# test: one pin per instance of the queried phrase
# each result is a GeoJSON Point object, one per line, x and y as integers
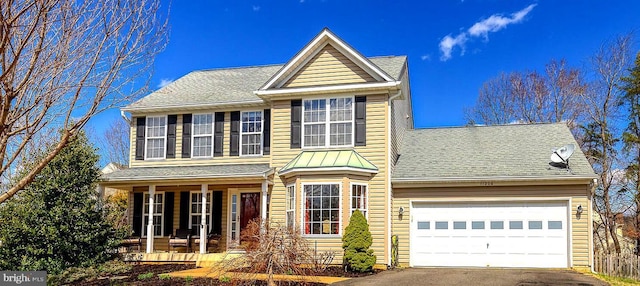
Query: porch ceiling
{"type": "Point", "coordinates": [174, 173]}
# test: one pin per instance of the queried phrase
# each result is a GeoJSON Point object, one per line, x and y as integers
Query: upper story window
{"type": "Point", "coordinates": [251, 133]}
{"type": "Point", "coordinates": [202, 135]}
{"type": "Point", "coordinates": [156, 137]}
{"type": "Point", "coordinates": [328, 122]}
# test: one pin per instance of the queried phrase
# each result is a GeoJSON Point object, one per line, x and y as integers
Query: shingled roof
{"type": "Point", "coordinates": [506, 151]}
{"type": "Point", "coordinates": [230, 86]}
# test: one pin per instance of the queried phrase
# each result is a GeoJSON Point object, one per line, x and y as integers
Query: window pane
{"type": "Point", "coordinates": [459, 225]}
{"type": "Point", "coordinates": [535, 224]}
{"type": "Point", "coordinates": [477, 225]}
{"type": "Point", "coordinates": [555, 224]}
{"type": "Point", "coordinates": [442, 225]}
{"type": "Point", "coordinates": [424, 225]}
{"type": "Point", "coordinates": [321, 209]}
{"type": "Point", "coordinates": [497, 225]}
{"type": "Point", "coordinates": [515, 224]}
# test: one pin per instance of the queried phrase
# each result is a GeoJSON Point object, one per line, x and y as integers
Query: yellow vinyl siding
{"type": "Point", "coordinates": [375, 151]}
{"type": "Point", "coordinates": [179, 161]}
{"type": "Point", "coordinates": [327, 67]}
{"type": "Point", "coordinates": [577, 193]}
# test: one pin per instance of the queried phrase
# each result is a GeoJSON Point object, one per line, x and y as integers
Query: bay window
{"type": "Point", "coordinates": [321, 209]}
{"type": "Point", "coordinates": [359, 198]}
{"type": "Point", "coordinates": [156, 137]}
{"type": "Point", "coordinates": [291, 206]}
{"type": "Point", "coordinates": [334, 115]}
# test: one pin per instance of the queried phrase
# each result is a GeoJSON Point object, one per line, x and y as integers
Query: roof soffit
{"type": "Point", "coordinates": [324, 38]}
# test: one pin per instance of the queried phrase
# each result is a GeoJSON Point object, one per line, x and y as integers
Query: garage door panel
{"type": "Point", "coordinates": [512, 234]}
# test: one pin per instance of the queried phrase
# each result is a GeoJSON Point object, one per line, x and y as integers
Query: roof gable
{"type": "Point", "coordinates": [324, 44]}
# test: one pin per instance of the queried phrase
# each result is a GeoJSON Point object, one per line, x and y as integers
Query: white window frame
{"type": "Point", "coordinates": [193, 135]}
{"type": "Point", "coordinates": [303, 209]}
{"type": "Point", "coordinates": [261, 133]}
{"type": "Point", "coordinates": [365, 210]}
{"type": "Point", "coordinates": [147, 138]}
{"type": "Point", "coordinates": [156, 212]}
{"type": "Point", "coordinates": [328, 122]}
{"type": "Point", "coordinates": [290, 205]}
{"type": "Point", "coordinates": [192, 214]}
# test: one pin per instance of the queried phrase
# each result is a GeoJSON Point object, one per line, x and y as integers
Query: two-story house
{"type": "Point", "coordinates": [306, 143]}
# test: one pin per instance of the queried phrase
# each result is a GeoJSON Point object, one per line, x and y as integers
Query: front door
{"type": "Point", "coordinates": [243, 207]}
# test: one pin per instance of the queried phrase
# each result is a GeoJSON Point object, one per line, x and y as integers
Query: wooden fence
{"type": "Point", "coordinates": [618, 265]}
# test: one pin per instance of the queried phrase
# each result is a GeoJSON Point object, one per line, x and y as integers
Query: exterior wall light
{"type": "Point", "coordinates": [579, 210]}
{"type": "Point", "coordinates": [401, 210]}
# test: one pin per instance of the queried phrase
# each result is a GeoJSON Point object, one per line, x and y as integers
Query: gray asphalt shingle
{"type": "Point", "coordinates": [487, 151]}
{"type": "Point", "coordinates": [209, 171]}
{"type": "Point", "coordinates": [231, 85]}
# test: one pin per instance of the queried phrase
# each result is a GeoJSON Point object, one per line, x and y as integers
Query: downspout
{"type": "Point", "coordinates": [390, 160]}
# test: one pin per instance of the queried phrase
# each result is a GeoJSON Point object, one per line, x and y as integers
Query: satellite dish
{"type": "Point", "coordinates": [562, 154]}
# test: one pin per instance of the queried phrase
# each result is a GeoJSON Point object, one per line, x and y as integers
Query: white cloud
{"type": "Point", "coordinates": [164, 82]}
{"type": "Point", "coordinates": [494, 23]}
{"type": "Point", "coordinates": [498, 22]}
{"type": "Point", "coordinates": [426, 57]}
{"type": "Point", "coordinates": [301, 1]}
{"type": "Point", "coordinates": [256, 8]}
{"type": "Point", "coordinates": [448, 43]}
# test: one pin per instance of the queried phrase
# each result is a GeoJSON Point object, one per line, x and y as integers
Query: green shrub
{"type": "Point", "coordinates": [164, 276]}
{"type": "Point", "coordinates": [356, 242]}
{"type": "Point", "coordinates": [145, 276]}
{"type": "Point", "coordinates": [224, 279]}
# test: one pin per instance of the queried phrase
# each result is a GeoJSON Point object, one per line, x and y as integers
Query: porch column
{"type": "Point", "coordinates": [203, 219]}
{"type": "Point", "coordinates": [263, 205]}
{"type": "Point", "coordinates": [150, 232]}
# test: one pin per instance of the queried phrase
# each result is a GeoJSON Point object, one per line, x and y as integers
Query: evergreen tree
{"type": "Point", "coordinates": [56, 222]}
{"type": "Point", "coordinates": [356, 242]}
{"type": "Point", "coordinates": [631, 139]}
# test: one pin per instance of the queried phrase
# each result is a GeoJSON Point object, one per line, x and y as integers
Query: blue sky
{"type": "Point", "coordinates": [453, 46]}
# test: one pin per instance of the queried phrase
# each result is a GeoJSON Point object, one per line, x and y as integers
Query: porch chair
{"type": "Point", "coordinates": [181, 239]}
{"type": "Point", "coordinates": [213, 239]}
{"type": "Point", "coordinates": [131, 241]}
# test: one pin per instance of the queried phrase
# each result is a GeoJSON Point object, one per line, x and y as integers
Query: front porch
{"type": "Point", "coordinates": [169, 215]}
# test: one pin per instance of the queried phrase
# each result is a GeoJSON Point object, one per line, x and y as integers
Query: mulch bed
{"type": "Point", "coordinates": [131, 278]}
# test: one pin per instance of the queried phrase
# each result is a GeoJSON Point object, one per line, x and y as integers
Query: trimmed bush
{"type": "Point", "coordinates": [356, 242]}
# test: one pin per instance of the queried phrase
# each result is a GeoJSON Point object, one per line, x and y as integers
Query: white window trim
{"type": "Point", "coordinates": [261, 134]}
{"type": "Point", "coordinates": [366, 197]}
{"type": "Point", "coordinates": [191, 213]}
{"type": "Point", "coordinates": [303, 197]}
{"type": "Point", "coordinates": [193, 136]}
{"type": "Point", "coordinates": [327, 122]}
{"type": "Point", "coordinates": [293, 205]}
{"type": "Point", "coordinates": [146, 137]}
{"type": "Point", "coordinates": [155, 211]}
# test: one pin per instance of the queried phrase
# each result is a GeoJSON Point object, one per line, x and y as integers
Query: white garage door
{"type": "Point", "coordinates": [514, 234]}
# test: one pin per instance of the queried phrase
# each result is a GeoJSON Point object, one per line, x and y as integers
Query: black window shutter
{"type": "Point", "coordinates": [216, 213]}
{"type": "Point", "coordinates": [168, 213]}
{"type": "Point", "coordinates": [137, 214]}
{"type": "Point", "coordinates": [361, 121]}
{"type": "Point", "coordinates": [186, 136]}
{"type": "Point", "coordinates": [296, 123]}
{"type": "Point", "coordinates": [172, 120]}
{"type": "Point", "coordinates": [218, 134]}
{"type": "Point", "coordinates": [140, 129]}
{"type": "Point", "coordinates": [184, 210]}
{"type": "Point", "coordinates": [234, 141]}
{"type": "Point", "coordinates": [266, 132]}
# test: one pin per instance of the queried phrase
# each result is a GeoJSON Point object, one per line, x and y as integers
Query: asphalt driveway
{"type": "Point", "coordinates": [475, 277]}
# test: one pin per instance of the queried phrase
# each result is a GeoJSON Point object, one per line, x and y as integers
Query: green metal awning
{"type": "Point", "coordinates": [344, 160]}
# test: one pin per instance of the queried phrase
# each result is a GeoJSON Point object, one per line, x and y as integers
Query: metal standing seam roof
{"type": "Point", "coordinates": [506, 151]}
{"type": "Point", "coordinates": [188, 172]}
{"type": "Point", "coordinates": [316, 160]}
{"type": "Point", "coordinates": [231, 85]}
